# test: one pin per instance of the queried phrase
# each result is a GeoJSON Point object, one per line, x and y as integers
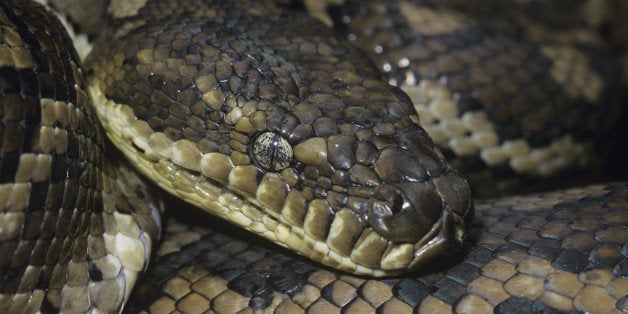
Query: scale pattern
{"type": "Point", "coordinates": [81, 225]}
{"type": "Point", "coordinates": [559, 251]}
{"type": "Point", "coordinates": [517, 95]}
{"type": "Point", "coordinates": [360, 185]}
{"type": "Point", "coordinates": [75, 229]}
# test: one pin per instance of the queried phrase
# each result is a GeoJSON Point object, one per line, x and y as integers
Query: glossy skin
{"type": "Point", "coordinates": [365, 190]}
{"type": "Point", "coordinates": [328, 156]}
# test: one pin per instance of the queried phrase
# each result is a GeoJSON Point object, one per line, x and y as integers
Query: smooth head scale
{"type": "Point", "coordinates": [278, 131]}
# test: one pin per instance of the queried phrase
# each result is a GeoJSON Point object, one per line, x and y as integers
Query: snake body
{"type": "Point", "coordinates": [562, 251]}
{"type": "Point", "coordinates": [513, 94]}
{"type": "Point", "coordinates": [300, 140]}
{"type": "Point", "coordinates": [76, 226]}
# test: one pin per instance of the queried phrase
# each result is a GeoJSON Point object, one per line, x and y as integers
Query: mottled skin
{"type": "Point", "coordinates": [76, 226]}
{"type": "Point", "coordinates": [564, 251]}
{"type": "Point", "coordinates": [518, 96]}
{"type": "Point", "coordinates": [363, 184]}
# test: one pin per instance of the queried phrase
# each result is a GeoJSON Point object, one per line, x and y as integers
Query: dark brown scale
{"type": "Point", "coordinates": [365, 153]}
{"type": "Point", "coordinates": [364, 176]}
{"type": "Point", "coordinates": [340, 150]}
{"type": "Point", "coordinates": [394, 165]}
{"type": "Point", "coordinates": [301, 132]}
{"type": "Point", "coordinates": [340, 178]}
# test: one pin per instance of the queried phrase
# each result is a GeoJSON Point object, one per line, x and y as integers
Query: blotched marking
{"type": "Point", "coordinates": [433, 22]}
{"type": "Point", "coordinates": [473, 133]}
{"type": "Point", "coordinates": [570, 68]}
{"type": "Point", "coordinates": [125, 8]}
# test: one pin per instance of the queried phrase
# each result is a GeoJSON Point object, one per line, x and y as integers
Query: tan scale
{"type": "Point", "coordinates": [529, 277]}
{"type": "Point", "coordinates": [473, 304]}
{"type": "Point", "coordinates": [438, 115]}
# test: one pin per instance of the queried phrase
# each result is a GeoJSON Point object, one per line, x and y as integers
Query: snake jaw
{"type": "Point", "coordinates": [446, 236]}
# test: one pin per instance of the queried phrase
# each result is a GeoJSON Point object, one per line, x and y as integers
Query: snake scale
{"type": "Point", "coordinates": [274, 122]}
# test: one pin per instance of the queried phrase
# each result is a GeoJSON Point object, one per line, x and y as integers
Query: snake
{"type": "Point", "coordinates": [278, 123]}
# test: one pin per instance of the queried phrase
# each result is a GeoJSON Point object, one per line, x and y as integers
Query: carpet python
{"type": "Point", "coordinates": [330, 143]}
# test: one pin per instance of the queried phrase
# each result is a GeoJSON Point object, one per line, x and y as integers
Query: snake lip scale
{"type": "Point", "coordinates": [332, 148]}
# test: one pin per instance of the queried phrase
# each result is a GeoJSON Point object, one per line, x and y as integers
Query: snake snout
{"type": "Point", "coordinates": [404, 212]}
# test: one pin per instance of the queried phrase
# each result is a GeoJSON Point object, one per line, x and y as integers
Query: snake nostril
{"type": "Point", "coordinates": [398, 215]}
{"type": "Point", "coordinates": [390, 198]}
{"type": "Point", "coordinates": [383, 210]}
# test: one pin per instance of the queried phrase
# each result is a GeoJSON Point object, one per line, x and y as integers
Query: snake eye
{"type": "Point", "coordinates": [272, 151]}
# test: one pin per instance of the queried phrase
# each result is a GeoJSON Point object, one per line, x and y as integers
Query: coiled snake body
{"type": "Point", "coordinates": [273, 122]}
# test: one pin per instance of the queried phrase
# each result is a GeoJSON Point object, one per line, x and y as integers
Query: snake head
{"type": "Point", "coordinates": [361, 190]}
{"type": "Point", "coordinates": [324, 158]}
{"type": "Point", "coordinates": [368, 190]}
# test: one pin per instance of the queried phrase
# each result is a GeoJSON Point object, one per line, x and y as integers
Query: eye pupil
{"type": "Point", "coordinates": [272, 151]}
